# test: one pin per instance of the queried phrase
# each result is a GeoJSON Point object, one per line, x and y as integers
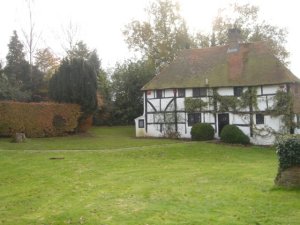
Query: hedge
{"type": "Point", "coordinates": [38, 119]}
{"type": "Point", "coordinates": [288, 151]}
{"type": "Point", "coordinates": [202, 132]}
{"type": "Point", "coordinates": [232, 134]}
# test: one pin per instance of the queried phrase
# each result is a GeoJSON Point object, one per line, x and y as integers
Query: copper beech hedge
{"type": "Point", "coordinates": [38, 119]}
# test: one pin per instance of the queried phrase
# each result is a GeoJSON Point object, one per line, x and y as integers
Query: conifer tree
{"type": "Point", "coordinates": [75, 82]}
{"type": "Point", "coordinates": [17, 68]}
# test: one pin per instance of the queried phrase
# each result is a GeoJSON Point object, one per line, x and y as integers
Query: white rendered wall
{"type": "Point", "coordinates": [265, 101]}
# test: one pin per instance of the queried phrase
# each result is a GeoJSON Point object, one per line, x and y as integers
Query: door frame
{"type": "Point", "coordinates": [222, 125]}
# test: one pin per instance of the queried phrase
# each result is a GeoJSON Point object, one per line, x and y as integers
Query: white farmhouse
{"type": "Point", "coordinates": [240, 83]}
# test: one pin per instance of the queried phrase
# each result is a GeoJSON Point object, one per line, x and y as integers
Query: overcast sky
{"type": "Point", "coordinates": [100, 22]}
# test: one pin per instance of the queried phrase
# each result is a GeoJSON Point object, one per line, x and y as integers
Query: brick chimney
{"type": "Point", "coordinates": [234, 54]}
{"type": "Point", "coordinates": [234, 39]}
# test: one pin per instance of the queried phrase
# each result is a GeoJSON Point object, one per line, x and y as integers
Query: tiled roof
{"type": "Point", "coordinates": [253, 64]}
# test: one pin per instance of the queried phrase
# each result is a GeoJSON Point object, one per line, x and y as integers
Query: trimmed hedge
{"type": "Point", "coordinates": [38, 119]}
{"type": "Point", "coordinates": [232, 134]}
{"type": "Point", "coordinates": [288, 151]}
{"type": "Point", "coordinates": [202, 132]}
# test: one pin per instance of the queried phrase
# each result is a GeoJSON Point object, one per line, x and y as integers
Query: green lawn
{"type": "Point", "coordinates": [124, 180]}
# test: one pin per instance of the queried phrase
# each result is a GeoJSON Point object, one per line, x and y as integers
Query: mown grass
{"type": "Point", "coordinates": [164, 182]}
{"type": "Point", "coordinates": [96, 139]}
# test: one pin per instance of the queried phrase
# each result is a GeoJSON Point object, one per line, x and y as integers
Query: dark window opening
{"type": "Point", "coordinates": [237, 91]}
{"type": "Point", "coordinates": [181, 93]}
{"type": "Point", "coordinates": [260, 119]}
{"type": "Point", "coordinates": [194, 118]}
{"type": "Point", "coordinates": [158, 93]}
{"type": "Point", "coordinates": [141, 124]}
{"type": "Point", "coordinates": [199, 92]}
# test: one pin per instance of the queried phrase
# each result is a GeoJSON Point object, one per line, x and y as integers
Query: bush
{"type": "Point", "coordinates": [232, 134]}
{"type": "Point", "coordinates": [38, 119]}
{"type": "Point", "coordinates": [288, 151]}
{"type": "Point", "coordinates": [85, 124]}
{"type": "Point", "coordinates": [202, 132]}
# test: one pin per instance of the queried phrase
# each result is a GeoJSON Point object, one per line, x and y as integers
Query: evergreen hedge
{"type": "Point", "coordinates": [288, 151]}
{"type": "Point", "coordinates": [38, 119]}
{"type": "Point", "coordinates": [202, 132]}
{"type": "Point", "coordinates": [232, 134]}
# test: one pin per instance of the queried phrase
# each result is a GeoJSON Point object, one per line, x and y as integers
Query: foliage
{"type": "Point", "coordinates": [249, 98]}
{"type": "Point", "coordinates": [232, 134]}
{"type": "Point", "coordinates": [21, 75]}
{"type": "Point", "coordinates": [79, 50]}
{"type": "Point", "coordinates": [104, 108]}
{"type": "Point", "coordinates": [46, 62]}
{"type": "Point", "coordinates": [85, 124]}
{"type": "Point", "coordinates": [38, 119]}
{"type": "Point", "coordinates": [169, 131]}
{"type": "Point", "coordinates": [202, 132]}
{"type": "Point", "coordinates": [103, 114]}
{"type": "Point", "coordinates": [17, 68]}
{"type": "Point", "coordinates": [226, 103]}
{"type": "Point", "coordinates": [194, 104]}
{"type": "Point", "coordinates": [283, 106]}
{"type": "Point", "coordinates": [9, 91]}
{"type": "Point", "coordinates": [282, 103]}
{"type": "Point", "coordinates": [246, 18]}
{"type": "Point", "coordinates": [161, 36]}
{"type": "Point", "coordinates": [104, 85]}
{"type": "Point", "coordinates": [75, 82]}
{"type": "Point", "coordinates": [127, 81]}
{"type": "Point", "coordinates": [288, 151]}
{"type": "Point", "coordinates": [168, 119]}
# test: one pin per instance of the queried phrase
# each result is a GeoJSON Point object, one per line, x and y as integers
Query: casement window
{"type": "Point", "coordinates": [194, 118]}
{"type": "Point", "coordinates": [237, 91]}
{"type": "Point", "coordinates": [159, 94]}
{"type": "Point", "coordinates": [199, 92]}
{"type": "Point", "coordinates": [141, 124]}
{"type": "Point", "coordinates": [181, 93]}
{"type": "Point", "coordinates": [260, 119]}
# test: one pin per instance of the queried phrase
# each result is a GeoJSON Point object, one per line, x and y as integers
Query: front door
{"type": "Point", "coordinates": [223, 120]}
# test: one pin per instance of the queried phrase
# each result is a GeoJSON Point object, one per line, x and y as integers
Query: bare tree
{"type": "Point", "coordinates": [31, 36]}
{"type": "Point", "coordinates": [70, 33]}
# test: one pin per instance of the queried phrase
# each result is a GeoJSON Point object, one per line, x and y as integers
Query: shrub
{"type": "Point", "coordinates": [202, 132]}
{"type": "Point", "coordinates": [38, 119]}
{"type": "Point", "coordinates": [232, 134]}
{"type": "Point", "coordinates": [288, 151]}
{"type": "Point", "coordinates": [85, 124]}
